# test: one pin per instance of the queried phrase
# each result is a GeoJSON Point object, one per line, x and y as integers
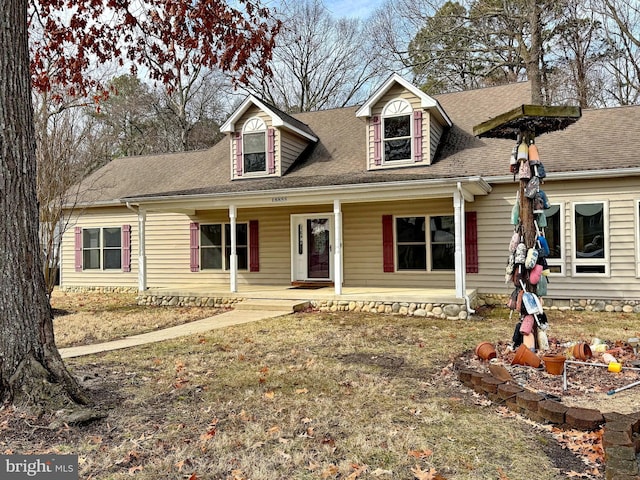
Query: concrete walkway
{"type": "Point", "coordinates": [222, 320]}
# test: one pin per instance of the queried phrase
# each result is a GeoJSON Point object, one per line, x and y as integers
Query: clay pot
{"type": "Point", "coordinates": [524, 356]}
{"type": "Point", "coordinates": [554, 364]}
{"type": "Point", "coordinates": [486, 351]}
{"type": "Point", "coordinates": [582, 351]}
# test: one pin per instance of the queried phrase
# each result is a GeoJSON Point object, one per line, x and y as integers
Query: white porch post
{"type": "Point", "coordinates": [460, 227]}
{"type": "Point", "coordinates": [142, 255]}
{"type": "Point", "coordinates": [233, 280]}
{"type": "Point", "coordinates": [337, 247]}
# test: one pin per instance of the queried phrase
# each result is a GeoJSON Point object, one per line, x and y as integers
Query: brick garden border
{"type": "Point", "coordinates": [621, 437]}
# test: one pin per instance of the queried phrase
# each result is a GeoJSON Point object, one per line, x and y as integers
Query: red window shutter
{"type": "Point", "coordinates": [78, 248]}
{"type": "Point", "coordinates": [254, 249]}
{"type": "Point", "coordinates": [377, 140]}
{"type": "Point", "coordinates": [239, 160]}
{"type": "Point", "coordinates": [194, 244]}
{"type": "Point", "coordinates": [126, 248]}
{"type": "Point", "coordinates": [387, 243]}
{"type": "Point", "coordinates": [417, 136]}
{"type": "Point", "coordinates": [471, 241]}
{"type": "Point", "coordinates": [271, 150]}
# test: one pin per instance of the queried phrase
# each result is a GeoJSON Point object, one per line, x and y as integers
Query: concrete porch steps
{"type": "Point", "coordinates": [272, 305]}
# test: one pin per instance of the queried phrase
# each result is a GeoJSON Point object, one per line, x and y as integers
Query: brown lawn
{"type": "Point", "coordinates": [304, 396]}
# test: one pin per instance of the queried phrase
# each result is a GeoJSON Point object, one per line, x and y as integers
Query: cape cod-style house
{"type": "Point", "coordinates": [396, 194]}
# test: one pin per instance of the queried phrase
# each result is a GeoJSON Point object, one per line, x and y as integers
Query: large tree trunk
{"type": "Point", "coordinates": [31, 369]}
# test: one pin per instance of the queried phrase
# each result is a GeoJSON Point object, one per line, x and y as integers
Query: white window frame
{"type": "Point", "coordinates": [562, 261]}
{"type": "Point", "coordinates": [606, 261]}
{"type": "Point", "coordinates": [636, 205]}
{"type": "Point", "coordinates": [101, 249]}
{"type": "Point", "coordinates": [398, 107]}
{"type": "Point", "coordinates": [254, 126]}
{"type": "Point", "coordinates": [225, 264]}
{"type": "Point", "coordinates": [428, 244]}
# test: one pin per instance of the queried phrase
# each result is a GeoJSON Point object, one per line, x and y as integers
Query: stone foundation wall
{"type": "Point", "coordinates": [187, 301]}
{"type": "Point", "coordinates": [74, 289]}
{"type": "Point", "coordinates": [432, 310]}
{"type": "Point", "coordinates": [589, 305]}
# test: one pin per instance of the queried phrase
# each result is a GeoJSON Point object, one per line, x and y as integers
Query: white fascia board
{"type": "Point", "coordinates": [276, 120]}
{"type": "Point", "coordinates": [355, 193]}
{"type": "Point", "coordinates": [577, 175]}
{"type": "Point", "coordinates": [426, 102]}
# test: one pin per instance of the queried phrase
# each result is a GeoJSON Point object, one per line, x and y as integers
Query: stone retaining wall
{"type": "Point", "coordinates": [621, 435]}
{"type": "Point", "coordinates": [590, 305]}
{"type": "Point", "coordinates": [72, 289]}
{"type": "Point", "coordinates": [187, 301]}
{"type": "Point", "coordinates": [432, 310]}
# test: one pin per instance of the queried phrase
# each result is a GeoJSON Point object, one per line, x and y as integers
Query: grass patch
{"type": "Point", "coordinates": [82, 319]}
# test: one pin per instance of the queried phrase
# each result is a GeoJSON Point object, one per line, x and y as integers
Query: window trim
{"type": "Point", "coordinates": [562, 261]}
{"type": "Point", "coordinates": [606, 261]}
{"type": "Point", "coordinates": [226, 267]}
{"type": "Point", "coordinates": [101, 249]}
{"type": "Point", "coordinates": [636, 204]}
{"type": "Point", "coordinates": [428, 244]}
{"type": "Point", "coordinates": [397, 107]}
{"type": "Point", "coordinates": [255, 126]}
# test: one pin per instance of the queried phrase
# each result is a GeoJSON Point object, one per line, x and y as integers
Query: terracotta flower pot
{"type": "Point", "coordinates": [486, 351]}
{"type": "Point", "coordinates": [554, 364]}
{"type": "Point", "coordinates": [524, 356]}
{"type": "Point", "coordinates": [582, 351]}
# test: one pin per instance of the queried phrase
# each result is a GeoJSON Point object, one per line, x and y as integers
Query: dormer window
{"type": "Point", "coordinates": [396, 128]}
{"type": "Point", "coordinates": [254, 149]}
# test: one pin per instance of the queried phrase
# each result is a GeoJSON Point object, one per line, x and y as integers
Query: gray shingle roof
{"type": "Point", "coordinates": [601, 139]}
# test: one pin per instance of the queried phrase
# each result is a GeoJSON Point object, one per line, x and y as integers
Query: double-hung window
{"type": "Point", "coordinates": [417, 246]}
{"type": "Point", "coordinates": [590, 240]}
{"type": "Point", "coordinates": [215, 246]}
{"type": "Point", "coordinates": [102, 248]}
{"type": "Point", "coordinates": [254, 146]}
{"type": "Point", "coordinates": [396, 119]}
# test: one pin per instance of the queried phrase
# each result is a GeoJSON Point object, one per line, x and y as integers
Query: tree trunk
{"type": "Point", "coordinates": [31, 369]}
{"type": "Point", "coordinates": [535, 53]}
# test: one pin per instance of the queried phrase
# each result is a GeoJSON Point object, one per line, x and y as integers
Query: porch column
{"type": "Point", "coordinates": [337, 247]}
{"type": "Point", "coordinates": [233, 280]}
{"type": "Point", "coordinates": [460, 260]}
{"type": "Point", "coordinates": [142, 255]}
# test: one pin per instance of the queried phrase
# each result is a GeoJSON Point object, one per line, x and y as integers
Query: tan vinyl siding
{"type": "Point", "coordinates": [362, 242]}
{"type": "Point", "coordinates": [291, 146]}
{"type": "Point", "coordinates": [168, 248]}
{"type": "Point", "coordinates": [99, 218]}
{"type": "Point", "coordinates": [494, 233]}
{"type": "Point", "coordinates": [435, 136]}
{"type": "Point", "coordinates": [395, 92]}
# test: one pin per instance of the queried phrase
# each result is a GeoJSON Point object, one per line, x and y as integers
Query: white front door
{"type": "Point", "coordinates": [312, 245]}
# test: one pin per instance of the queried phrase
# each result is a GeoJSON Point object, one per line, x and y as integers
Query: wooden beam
{"type": "Point", "coordinates": [538, 119]}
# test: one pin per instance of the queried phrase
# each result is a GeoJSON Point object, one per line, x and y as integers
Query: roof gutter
{"type": "Point", "coordinates": [483, 185]}
{"type": "Point", "coordinates": [578, 175]}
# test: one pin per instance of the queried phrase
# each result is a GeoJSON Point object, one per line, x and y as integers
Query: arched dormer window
{"type": "Point", "coordinates": [254, 152]}
{"type": "Point", "coordinates": [396, 129]}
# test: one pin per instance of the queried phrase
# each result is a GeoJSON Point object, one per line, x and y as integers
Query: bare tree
{"type": "Point", "coordinates": [318, 62]}
{"type": "Point", "coordinates": [621, 21]}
